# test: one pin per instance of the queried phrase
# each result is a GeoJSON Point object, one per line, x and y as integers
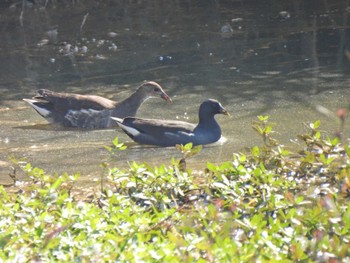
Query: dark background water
{"type": "Point", "coordinates": [280, 58]}
{"type": "Point", "coordinates": [172, 40]}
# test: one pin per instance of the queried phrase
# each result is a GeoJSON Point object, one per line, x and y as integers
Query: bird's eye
{"type": "Point", "coordinates": [156, 90]}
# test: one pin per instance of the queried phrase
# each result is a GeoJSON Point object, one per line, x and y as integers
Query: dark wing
{"type": "Point", "coordinates": [158, 127]}
{"type": "Point", "coordinates": [158, 132]}
{"type": "Point", "coordinates": [62, 102]}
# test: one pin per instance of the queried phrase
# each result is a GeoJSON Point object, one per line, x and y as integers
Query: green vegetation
{"type": "Point", "coordinates": [269, 204]}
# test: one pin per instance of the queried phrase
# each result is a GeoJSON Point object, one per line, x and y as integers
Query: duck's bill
{"type": "Point", "coordinates": [166, 97]}
{"type": "Point", "coordinates": [225, 112]}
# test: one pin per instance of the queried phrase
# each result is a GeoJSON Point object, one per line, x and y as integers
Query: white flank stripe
{"type": "Point", "coordinates": [42, 111]}
{"type": "Point", "coordinates": [117, 119]}
{"type": "Point", "coordinates": [128, 129]}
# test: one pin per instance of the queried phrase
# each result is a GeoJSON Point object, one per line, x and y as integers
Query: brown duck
{"type": "Point", "coordinates": [91, 111]}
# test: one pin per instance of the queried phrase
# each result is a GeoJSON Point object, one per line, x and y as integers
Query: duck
{"type": "Point", "coordinates": [91, 111]}
{"type": "Point", "coordinates": [167, 133]}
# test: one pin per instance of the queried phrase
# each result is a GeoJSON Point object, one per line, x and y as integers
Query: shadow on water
{"type": "Point", "coordinates": [286, 59]}
{"type": "Point", "coordinates": [45, 127]}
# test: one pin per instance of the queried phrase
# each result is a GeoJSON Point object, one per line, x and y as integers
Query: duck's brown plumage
{"type": "Point", "coordinates": [91, 111]}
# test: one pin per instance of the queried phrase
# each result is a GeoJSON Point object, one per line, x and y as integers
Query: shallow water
{"type": "Point", "coordinates": [285, 59]}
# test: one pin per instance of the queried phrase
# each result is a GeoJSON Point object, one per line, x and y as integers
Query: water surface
{"type": "Point", "coordinates": [285, 59]}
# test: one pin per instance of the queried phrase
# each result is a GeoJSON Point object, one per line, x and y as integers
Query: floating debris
{"type": "Point", "coordinates": [165, 58]}
{"type": "Point", "coordinates": [100, 57]}
{"type": "Point", "coordinates": [84, 49]}
{"type": "Point", "coordinates": [100, 42]}
{"type": "Point", "coordinates": [113, 47]}
{"type": "Point", "coordinates": [112, 34]}
{"type": "Point", "coordinates": [43, 42]}
{"type": "Point", "coordinates": [52, 34]}
{"type": "Point", "coordinates": [284, 15]}
{"type": "Point", "coordinates": [226, 31]}
{"type": "Point", "coordinates": [236, 20]}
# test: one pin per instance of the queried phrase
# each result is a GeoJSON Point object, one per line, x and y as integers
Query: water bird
{"type": "Point", "coordinates": [169, 132]}
{"type": "Point", "coordinates": [91, 111]}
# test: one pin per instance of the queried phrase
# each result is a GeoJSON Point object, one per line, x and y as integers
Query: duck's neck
{"type": "Point", "coordinates": [207, 131]}
{"type": "Point", "coordinates": [208, 123]}
{"type": "Point", "coordinates": [132, 103]}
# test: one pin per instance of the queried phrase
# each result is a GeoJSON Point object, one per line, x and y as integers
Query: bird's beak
{"type": "Point", "coordinates": [165, 96]}
{"type": "Point", "coordinates": [225, 112]}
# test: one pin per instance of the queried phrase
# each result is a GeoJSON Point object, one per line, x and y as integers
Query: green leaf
{"type": "Point", "coordinates": [347, 150]}
{"type": "Point", "coordinates": [318, 135]}
{"type": "Point", "coordinates": [325, 160]}
{"type": "Point", "coordinates": [57, 183]}
{"type": "Point", "coordinates": [255, 151]}
{"type": "Point", "coordinates": [263, 118]}
{"type": "Point", "coordinates": [211, 167]}
{"type": "Point", "coordinates": [188, 146]}
{"type": "Point", "coordinates": [315, 125]}
{"type": "Point", "coordinates": [335, 141]}
{"type": "Point", "coordinates": [268, 129]}
{"type": "Point", "coordinates": [299, 199]}
{"type": "Point", "coordinates": [115, 141]}
{"type": "Point", "coordinates": [242, 158]}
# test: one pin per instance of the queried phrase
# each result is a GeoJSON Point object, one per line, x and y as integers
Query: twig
{"type": "Point", "coordinates": [22, 13]}
{"type": "Point", "coordinates": [83, 23]}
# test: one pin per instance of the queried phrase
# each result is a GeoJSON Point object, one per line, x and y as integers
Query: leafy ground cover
{"type": "Point", "coordinates": [268, 204]}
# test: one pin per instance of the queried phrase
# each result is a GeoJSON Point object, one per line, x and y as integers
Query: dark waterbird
{"type": "Point", "coordinates": [91, 111]}
{"type": "Point", "coordinates": [169, 133]}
